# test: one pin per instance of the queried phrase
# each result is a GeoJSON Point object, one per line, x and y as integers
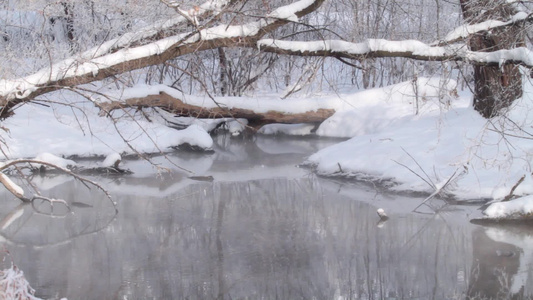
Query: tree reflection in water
{"type": "Point", "coordinates": [272, 238]}
{"type": "Point", "coordinates": [501, 268]}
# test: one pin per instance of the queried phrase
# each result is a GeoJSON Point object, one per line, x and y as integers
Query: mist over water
{"type": "Point", "coordinates": [263, 228]}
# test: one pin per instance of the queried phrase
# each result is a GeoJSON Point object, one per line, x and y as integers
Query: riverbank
{"type": "Point", "coordinates": [421, 136]}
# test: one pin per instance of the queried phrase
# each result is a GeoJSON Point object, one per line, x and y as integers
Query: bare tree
{"type": "Point", "coordinates": [495, 49]}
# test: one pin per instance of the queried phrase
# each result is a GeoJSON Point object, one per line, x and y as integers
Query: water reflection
{"type": "Point", "coordinates": [502, 265]}
{"type": "Point", "coordinates": [276, 238]}
{"type": "Point", "coordinates": [264, 230]}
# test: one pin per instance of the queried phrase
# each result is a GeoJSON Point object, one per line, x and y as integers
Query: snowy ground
{"type": "Point", "coordinates": [429, 141]}
{"type": "Point", "coordinates": [422, 152]}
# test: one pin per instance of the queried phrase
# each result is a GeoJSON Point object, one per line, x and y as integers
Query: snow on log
{"type": "Point", "coordinates": [520, 208]}
{"type": "Point", "coordinates": [112, 160]}
{"type": "Point", "coordinates": [12, 187]}
{"type": "Point", "coordinates": [179, 107]}
{"type": "Point", "coordinates": [54, 160]}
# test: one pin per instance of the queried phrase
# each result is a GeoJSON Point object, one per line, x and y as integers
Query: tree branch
{"type": "Point", "coordinates": [463, 32]}
{"type": "Point", "coordinates": [19, 195]}
{"type": "Point", "coordinates": [412, 49]}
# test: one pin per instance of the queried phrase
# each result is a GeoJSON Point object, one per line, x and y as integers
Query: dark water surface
{"type": "Point", "coordinates": [263, 229]}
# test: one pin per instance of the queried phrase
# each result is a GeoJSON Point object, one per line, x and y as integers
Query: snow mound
{"type": "Point", "coordinates": [112, 160]}
{"type": "Point", "coordinates": [520, 208]}
{"type": "Point", "coordinates": [391, 142]}
{"type": "Point", "coordinates": [55, 160]}
{"type": "Point", "coordinates": [372, 111]}
{"type": "Point", "coordinates": [36, 130]}
{"type": "Point", "coordinates": [194, 135]}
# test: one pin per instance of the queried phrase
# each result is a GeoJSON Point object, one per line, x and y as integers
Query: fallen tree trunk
{"type": "Point", "coordinates": [178, 107]}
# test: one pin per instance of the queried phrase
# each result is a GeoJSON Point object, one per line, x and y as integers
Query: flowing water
{"type": "Point", "coordinates": [262, 229]}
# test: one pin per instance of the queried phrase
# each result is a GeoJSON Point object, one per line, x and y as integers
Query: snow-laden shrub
{"type": "Point", "coordinates": [13, 285]}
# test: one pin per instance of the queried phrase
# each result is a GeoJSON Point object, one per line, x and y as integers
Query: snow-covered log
{"type": "Point", "coordinates": [179, 107]}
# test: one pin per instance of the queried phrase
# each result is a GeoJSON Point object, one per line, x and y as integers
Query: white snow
{"type": "Point", "coordinates": [111, 159]}
{"type": "Point", "coordinates": [466, 30]}
{"type": "Point", "coordinates": [36, 129]}
{"type": "Point", "coordinates": [514, 209]}
{"type": "Point", "coordinates": [194, 135]}
{"type": "Point", "coordinates": [13, 285]}
{"type": "Point", "coordinates": [435, 134]}
{"type": "Point", "coordinates": [446, 137]}
{"type": "Point", "coordinates": [401, 48]}
{"type": "Point", "coordinates": [55, 160]}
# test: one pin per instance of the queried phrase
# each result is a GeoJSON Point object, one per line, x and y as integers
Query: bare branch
{"type": "Point", "coordinates": [84, 180]}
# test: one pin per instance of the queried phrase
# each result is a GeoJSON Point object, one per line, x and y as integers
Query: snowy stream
{"type": "Point", "coordinates": [262, 228]}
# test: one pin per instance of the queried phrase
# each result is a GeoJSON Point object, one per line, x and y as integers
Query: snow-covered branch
{"type": "Point", "coordinates": [208, 9]}
{"type": "Point", "coordinates": [374, 48]}
{"type": "Point", "coordinates": [76, 71]}
{"type": "Point", "coordinates": [464, 31]}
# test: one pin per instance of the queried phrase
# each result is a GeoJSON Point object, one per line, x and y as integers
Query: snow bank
{"type": "Point", "coordinates": [396, 135]}
{"type": "Point", "coordinates": [112, 160]}
{"type": "Point", "coordinates": [36, 129]}
{"type": "Point", "coordinates": [391, 143]}
{"type": "Point", "coordinates": [515, 209]}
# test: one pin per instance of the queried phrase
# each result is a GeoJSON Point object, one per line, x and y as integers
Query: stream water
{"type": "Point", "coordinates": [262, 229]}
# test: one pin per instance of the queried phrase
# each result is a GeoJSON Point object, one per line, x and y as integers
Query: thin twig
{"type": "Point", "coordinates": [438, 190]}
{"type": "Point", "coordinates": [83, 180]}
{"type": "Point", "coordinates": [414, 173]}
{"type": "Point", "coordinates": [420, 167]}
{"type": "Point", "coordinates": [508, 197]}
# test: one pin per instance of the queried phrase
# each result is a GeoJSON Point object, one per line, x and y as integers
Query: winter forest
{"type": "Point", "coordinates": [178, 122]}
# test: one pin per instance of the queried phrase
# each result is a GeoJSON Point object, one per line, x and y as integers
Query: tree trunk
{"type": "Point", "coordinates": [181, 108]}
{"type": "Point", "coordinates": [69, 19]}
{"type": "Point", "coordinates": [224, 73]}
{"type": "Point", "coordinates": [495, 87]}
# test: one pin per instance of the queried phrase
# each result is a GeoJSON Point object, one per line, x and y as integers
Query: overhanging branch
{"type": "Point", "coordinates": [411, 49]}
